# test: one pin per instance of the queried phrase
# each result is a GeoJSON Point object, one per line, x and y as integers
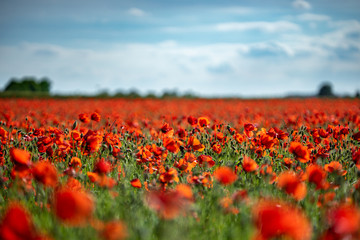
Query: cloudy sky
{"type": "Point", "coordinates": [209, 47]}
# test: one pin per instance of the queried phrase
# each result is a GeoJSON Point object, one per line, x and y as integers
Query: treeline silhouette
{"type": "Point", "coordinates": [133, 93]}
{"type": "Point", "coordinates": [28, 84]}
{"type": "Point", "coordinates": [30, 87]}
{"type": "Point", "coordinates": [27, 87]}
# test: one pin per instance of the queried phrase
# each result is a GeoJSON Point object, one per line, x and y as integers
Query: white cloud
{"type": "Point", "coordinates": [313, 17]}
{"type": "Point", "coordinates": [136, 12]}
{"type": "Point", "coordinates": [301, 4]}
{"type": "Point", "coordinates": [278, 26]}
{"type": "Point", "coordinates": [263, 26]}
{"type": "Point", "coordinates": [295, 62]}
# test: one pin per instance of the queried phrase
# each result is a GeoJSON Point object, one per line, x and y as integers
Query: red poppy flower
{"type": "Point", "coordinates": [17, 224]}
{"type": "Point", "coordinates": [96, 117]}
{"type": "Point", "coordinates": [316, 175]}
{"type": "Point", "coordinates": [75, 162]}
{"type": "Point", "coordinates": [171, 145]}
{"type": "Point", "coordinates": [135, 183]}
{"type": "Point", "coordinates": [45, 173]}
{"type": "Point", "coordinates": [292, 185]}
{"type": "Point", "coordinates": [205, 160]}
{"type": "Point", "coordinates": [267, 141]}
{"type": "Point", "coordinates": [114, 230]}
{"type": "Point", "coordinates": [275, 219]}
{"type": "Point", "coordinates": [196, 144]}
{"type": "Point", "coordinates": [84, 118]}
{"type": "Point", "coordinates": [344, 223]}
{"type": "Point", "coordinates": [356, 136]}
{"type": "Point", "coordinates": [334, 167]}
{"type": "Point", "coordinates": [3, 132]}
{"type": "Point", "coordinates": [19, 156]}
{"type": "Point", "coordinates": [301, 152]}
{"type": "Point", "coordinates": [203, 122]}
{"type": "Point", "coordinates": [216, 148]}
{"type": "Point", "coordinates": [249, 165]}
{"type": "Point", "coordinates": [73, 184]}
{"type": "Point", "coordinates": [168, 204]}
{"type": "Point", "coordinates": [102, 166]}
{"type": "Point", "coordinates": [192, 120]}
{"type": "Point", "coordinates": [93, 143]}
{"type": "Point", "coordinates": [184, 191]}
{"type": "Point", "coordinates": [181, 133]}
{"type": "Point", "coordinates": [76, 135]}
{"type": "Point", "coordinates": [169, 176]}
{"type": "Point", "coordinates": [225, 175]}
{"type": "Point", "coordinates": [248, 129]}
{"type": "Point", "coordinates": [73, 207]}
{"type": "Point", "coordinates": [166, 128]}
{"type": "Point", "coordinates": [239, 138]}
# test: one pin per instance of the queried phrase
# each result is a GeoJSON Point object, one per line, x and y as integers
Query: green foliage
{"type": "Point", "coordinates": [28, 84]}
{"type": "Point", "coordinates": [326, 90]}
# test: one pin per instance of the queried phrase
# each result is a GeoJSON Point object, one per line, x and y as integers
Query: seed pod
{"type": "Point", "coordinates": [74, 126]}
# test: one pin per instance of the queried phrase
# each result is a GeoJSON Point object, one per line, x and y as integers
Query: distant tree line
{"type": "Point", "coordinates": [32, 87]}
{"type": "Point", "coordinates": [28, 84]}
{"type": "Point", "coordinates": [133, 93]}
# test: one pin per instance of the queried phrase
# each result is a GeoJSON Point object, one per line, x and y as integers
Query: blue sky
{"type": "Point", "coordinates": [212, 48]}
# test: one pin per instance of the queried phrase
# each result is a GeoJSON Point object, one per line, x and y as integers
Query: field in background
{"type": "Point", "coordinates": [179, 169]}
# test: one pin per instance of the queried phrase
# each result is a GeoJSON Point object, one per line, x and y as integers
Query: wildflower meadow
{"type": "Point", "coordinates": [179, 169]}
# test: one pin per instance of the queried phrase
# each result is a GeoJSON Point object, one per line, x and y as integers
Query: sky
{"type": "Point", "coordinates": [208, 47]}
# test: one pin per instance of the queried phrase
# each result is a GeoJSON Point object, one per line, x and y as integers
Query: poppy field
{"type": "Point", "coordinates": [180, 169]}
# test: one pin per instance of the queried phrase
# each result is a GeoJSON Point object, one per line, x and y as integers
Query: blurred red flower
{"type": "Point", "coordinates": [73, 207]}
{"type": "Point", "coordinates": [225, 175]}
{"type": "Point", "coordinates": [274, 219]}
{"type": "Point", "coordinates": [45, 173]}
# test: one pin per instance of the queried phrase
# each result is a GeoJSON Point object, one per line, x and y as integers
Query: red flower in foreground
{"type": "Point", "coordinates": [171, 203]}
{"type": "Point", "coordinates": [316, 175]}
{"type": "Point", "coordinates": [301, 152]}
{"type": "Point", "coordinates": [73, 207]}
{"type": "Point", "coordinates": [249, 165]}
{"type": "Point", "coordinates": [334, 167]}
{"type": "Point", "coordinates": [114, 230]}
{"type": "Point", "coordinates": [19, 156]}
{"type": "Point", "coordinates": [45, 173]}
{"type": "Point", "coordinates": [16, 224]}
{"type": "Point", "coordinates": [292, 185]}
{"type": "Point", "coordinates": [277, 219]}
{"type": "Point", "coordinates": [225, 175]}
{"type": "Point", "coordinates": [135, 183]}
{"type": "Point", "coordinates": [344, 223]}
{"type": "Point", "coordinates": [102, 166]}
{"type": "Point", "coordinates": [101, 180]}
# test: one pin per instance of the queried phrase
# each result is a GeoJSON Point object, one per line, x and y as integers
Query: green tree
{"type": "Point", "coordinates": [326, 90]}
{"type": "Point", "coordinates": [28, 84]}
{"type": "Point", "coordinates": [45, 85]}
